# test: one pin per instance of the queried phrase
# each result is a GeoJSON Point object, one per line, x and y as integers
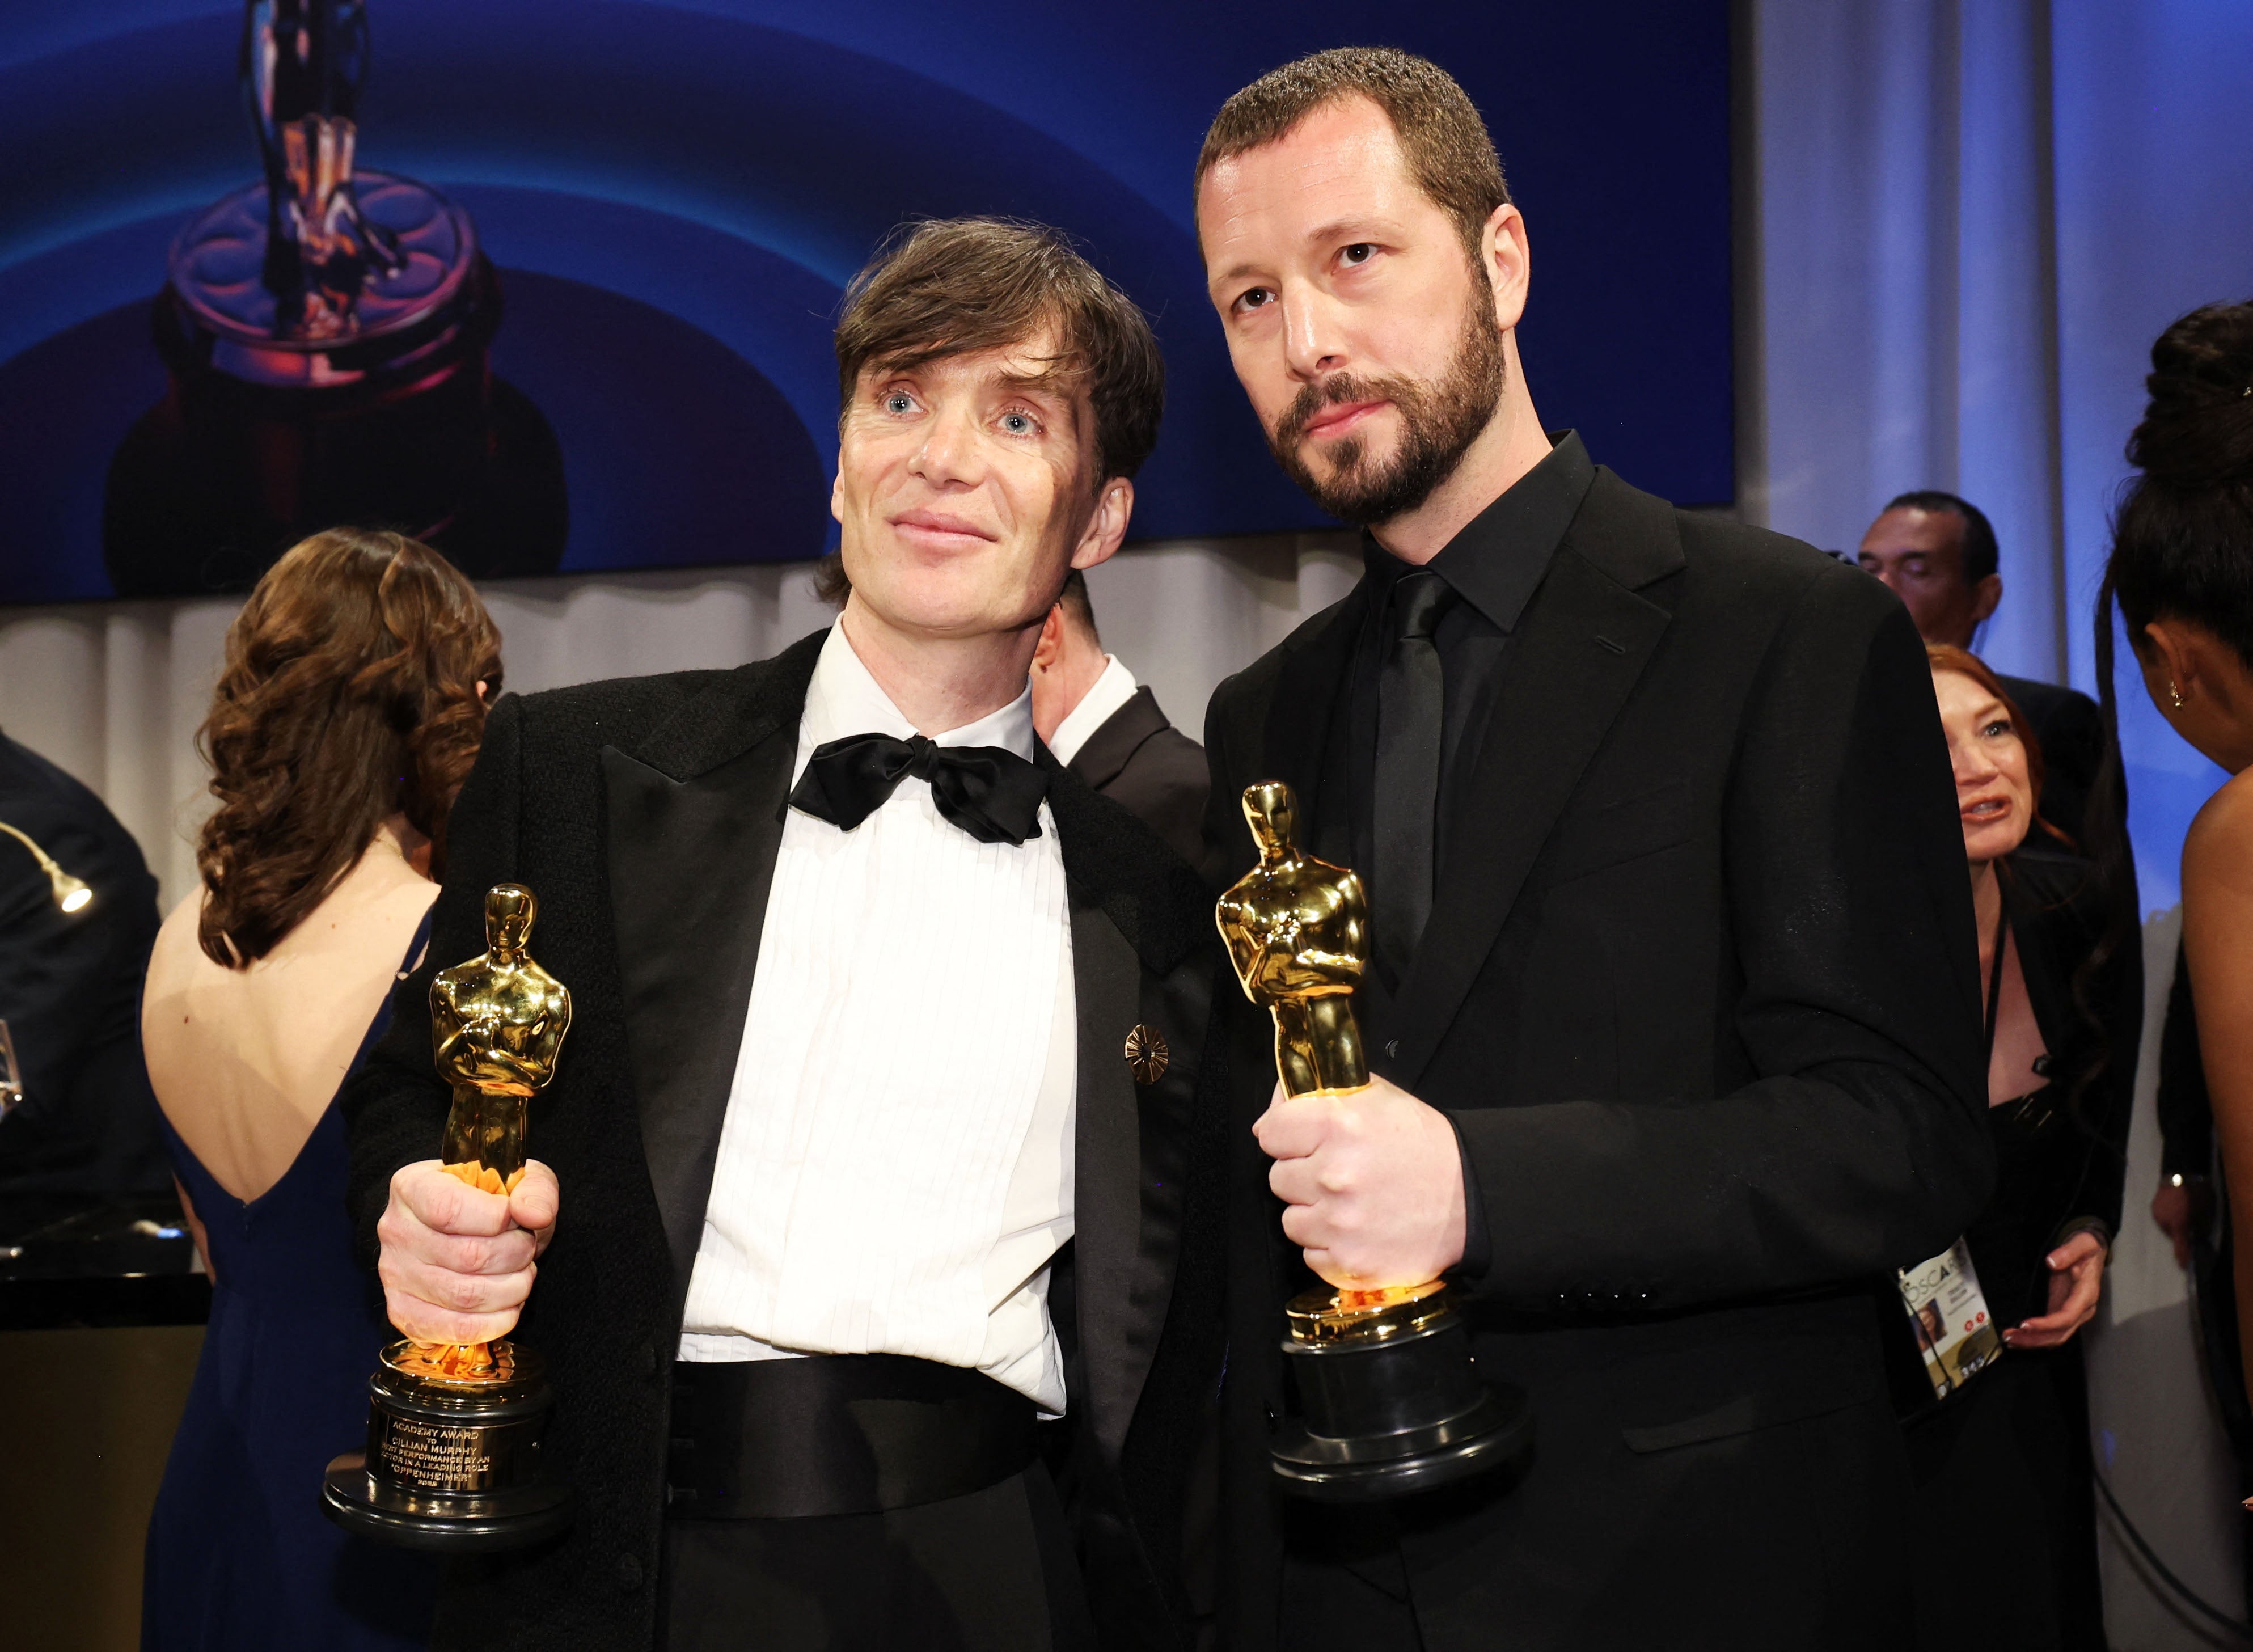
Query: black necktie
{"type": "Point", "coordinates": [992, 794]}
{"type": "Point", "coordinates": [1409, 706]}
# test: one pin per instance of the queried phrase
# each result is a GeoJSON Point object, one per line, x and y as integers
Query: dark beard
{"type": "Point", "coordinates": [1438, 424]}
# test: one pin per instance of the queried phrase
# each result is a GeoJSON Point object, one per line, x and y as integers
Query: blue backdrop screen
{"type": "Point", "coordinates": [674, 196]}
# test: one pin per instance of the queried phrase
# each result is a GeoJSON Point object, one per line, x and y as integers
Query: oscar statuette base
{"type": "Point", "coordinates": [453, 1461]}
{"type": "Point", "coordinates": [1390, 1401]}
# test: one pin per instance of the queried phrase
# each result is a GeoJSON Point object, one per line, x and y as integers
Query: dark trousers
{"type": "Point", "coordinates": [992, 1571]}
{"type": "Point", "coordinates": [2007, 1512]}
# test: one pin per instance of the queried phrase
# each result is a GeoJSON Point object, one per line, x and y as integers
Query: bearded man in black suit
{"type": "Point", "coordinates": [871, 1134]}
{"type": "Point", "coordinates": [1672, 1009]}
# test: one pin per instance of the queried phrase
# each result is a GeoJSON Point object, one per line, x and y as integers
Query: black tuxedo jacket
{"type": "Point", "coordinates": [1699, 991]}
{"type": "Point", "coordinates": [1142, 762]}
{"type": "Point", "coordinates": [645, 814]}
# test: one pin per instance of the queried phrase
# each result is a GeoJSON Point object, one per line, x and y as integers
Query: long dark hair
{"type": "Point", "coordinates": [2182, 535]}
{"type": "Point", "coordinates": [2182, 541]}
{"type": "Point", "coordinates": [349, 695]}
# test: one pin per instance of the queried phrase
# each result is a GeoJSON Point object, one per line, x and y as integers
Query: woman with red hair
{"type": "Point", "coordinates": [349, 712]}
{"type": "Point", "coordinates": [2002, 1461]}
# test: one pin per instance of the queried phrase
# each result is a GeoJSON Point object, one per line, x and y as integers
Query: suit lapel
{"type": "Point", "coordinates": [1107, 1175]}
{"type": "Point", "coordinates": [1580, 650]}
{"type": "Point", "coordinates": [1109, 748]}
{"type": "Point", "coordinates": [1310, 695]}
{"type": "Point", "coordinates": [1139, 919]}
{"type": "Point", "coordinates": [695, 818]}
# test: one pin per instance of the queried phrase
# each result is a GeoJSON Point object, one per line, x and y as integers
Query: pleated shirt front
{"type": "Point", "coordinates": [894, 1170]}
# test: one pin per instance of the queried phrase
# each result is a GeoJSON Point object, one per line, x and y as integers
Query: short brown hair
{"type": "Point", "coordinates": [1076, 605]}
{"type": "Point", "coordinates": [349, 695]}
{"type": "Point", "coordinates": [956, 286]}
{"type": "Point", "coordinates": [1446, 144]}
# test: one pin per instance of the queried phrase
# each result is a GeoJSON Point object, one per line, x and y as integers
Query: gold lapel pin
{"type": "Point", "coordinates": [1147, 1054]}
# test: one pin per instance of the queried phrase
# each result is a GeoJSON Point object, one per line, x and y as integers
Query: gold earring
{"type": "Point", "coordinates": [2174, 695]}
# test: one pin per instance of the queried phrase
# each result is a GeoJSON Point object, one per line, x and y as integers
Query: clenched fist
{"type": "Point", "coordinates": [457, 1261]}
{"type": "Point", "coordinates": [1374, 1179]}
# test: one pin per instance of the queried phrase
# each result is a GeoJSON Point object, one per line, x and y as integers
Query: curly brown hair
{"type": "Point", "coordinates": [350, 694]}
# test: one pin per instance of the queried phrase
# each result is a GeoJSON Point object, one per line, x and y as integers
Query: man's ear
{"type": "Point", "coordinates": [1050, 646]}
{"type": "Point", "coordinates": [1107, 528]}
{"type": "Point", "coordinates": [837, 491]}
{"type": "Point", "coordinates": [1985, 598]}
{"type": "Point", "coordinates": [1508, 259]}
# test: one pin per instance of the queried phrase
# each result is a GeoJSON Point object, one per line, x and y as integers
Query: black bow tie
{"type": "Point", "coordinates": [992, 794]}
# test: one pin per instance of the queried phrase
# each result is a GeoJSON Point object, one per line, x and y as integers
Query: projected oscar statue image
{"type": "Point", "coordinates": [453, 1459]}
{"type": "Point", "coordinates": [326, 335]}
{"type": "Point", "coordinates": [1390, 1400]}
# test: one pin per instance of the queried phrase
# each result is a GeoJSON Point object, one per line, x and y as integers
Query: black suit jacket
{"type": "Point", "coordinates": [645, 814]}
{"type": "Point", "coordinates": [1699, 991]}
{"type": "Point", "coordinates": [70, 991]}
{"type": "Point", "coordinates": [2071, 730]}
{"type": "Point", "coordinates": [1145, 764]}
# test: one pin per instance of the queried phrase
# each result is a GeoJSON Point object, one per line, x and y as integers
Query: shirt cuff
{"type": "Point", "coordinates": [1478, 1249]}
{"type": "Point", "coordinates": [2096, 1225]}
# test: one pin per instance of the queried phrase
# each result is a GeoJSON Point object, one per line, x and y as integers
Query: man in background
{"type": "Point", "coordinates": [1107, 730]}
{"type": "Point", "coordinates": [1937, 553]}
{"type": "Point", "coordinates": [70, 992]}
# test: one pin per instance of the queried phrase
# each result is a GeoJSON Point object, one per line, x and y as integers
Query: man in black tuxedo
{"type": "Point", "coordinates": [1673, 1007]}
{"type": "Point", "coordinates": [1937, 553]}
{"type": "Point", "coordinates": [1107, 729]}
{"type": "Point", "coordinates": [70, 991]}
{"type": "Point", "coordinates": [872, 1130]}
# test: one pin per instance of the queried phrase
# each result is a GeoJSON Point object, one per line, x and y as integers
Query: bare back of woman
{"type": "Point", "coordinates": [245, 1062]}
{"type": "Point", "coordinates": [2217, 880]}
{"type": "Point", "coordinates": [351, 710]}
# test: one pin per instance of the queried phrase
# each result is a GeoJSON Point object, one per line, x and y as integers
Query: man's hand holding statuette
{"type": "Point", "coordinates": [458, 1262]}
{"type": "Point", "coordinates": [1374, 1180]}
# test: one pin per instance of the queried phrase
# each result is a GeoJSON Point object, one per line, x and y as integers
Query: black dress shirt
{"type": "Point", "coordinates": [1493, 566]}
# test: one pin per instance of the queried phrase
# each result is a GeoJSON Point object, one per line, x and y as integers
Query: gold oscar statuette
{"type": "Point", "coordinates": [453, 1459]}
{"type": "Point", "coordinates": [1390, 1400]}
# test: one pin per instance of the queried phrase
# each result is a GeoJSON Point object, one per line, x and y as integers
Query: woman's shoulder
{"type": "Point", "coordinates": [177, 957]}
{"type": "Point", "coordinates": [2218, 849]}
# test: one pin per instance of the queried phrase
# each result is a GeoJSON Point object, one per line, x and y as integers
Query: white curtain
{"type": "Point", "coordinates": [114, 693]}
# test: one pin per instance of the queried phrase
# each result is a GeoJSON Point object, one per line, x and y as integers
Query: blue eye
{"type": "Point", "coordinates": [899, 402]}
{"type": "Point", "coordinates": [1018, 423]}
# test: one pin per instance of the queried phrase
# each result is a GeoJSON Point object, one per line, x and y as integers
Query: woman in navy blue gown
{"type": "Point", "coordinates": [349, 712]}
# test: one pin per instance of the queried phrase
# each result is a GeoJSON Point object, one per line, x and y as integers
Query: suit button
{"type": "Point", "coordinates": [1392, 1047]}
{"type": "Point", "coordinates": [629, 1573]}
{"type": "Point", "coordinates": [1270, 1411]}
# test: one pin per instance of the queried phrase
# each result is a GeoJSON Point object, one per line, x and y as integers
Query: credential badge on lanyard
{"type": "Point", "coordinates": [1949, 1314]}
